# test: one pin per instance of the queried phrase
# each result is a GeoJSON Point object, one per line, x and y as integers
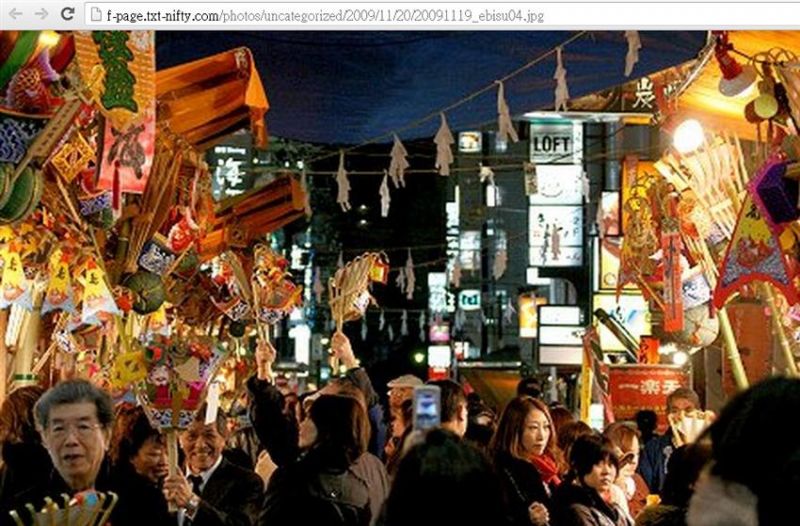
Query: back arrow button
{"type": "Point", "coordinates": [14, 13]}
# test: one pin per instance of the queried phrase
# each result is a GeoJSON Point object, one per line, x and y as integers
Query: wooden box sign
{"type": "Point", "coordinates": [637, 387]}
{"type": "Point", "coordinates": [752, 329]}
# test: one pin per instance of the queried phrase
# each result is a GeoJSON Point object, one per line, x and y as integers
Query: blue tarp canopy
{"type": "Point", "coordinates": [349, 87]}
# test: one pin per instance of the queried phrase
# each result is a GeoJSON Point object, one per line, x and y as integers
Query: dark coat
{"type": "Point", "coordinates": [318, 489]}
{"type": "Point", "coordinates": [25, 466]}
{"type": "Point", "coordinates": [653, 461]}
{"type": "Point", "coordinates": [276, 431]}
{"type": "Point", "coordinates": [522, 486]}
{"type": "Point", "coordinates": [140, 501]}
{"type": "Point", "coordinates": [662, 515]}
{"type": "Point", "coordinates": [576, 505]}
{"type": "Point", "coordinates": [231, 497]}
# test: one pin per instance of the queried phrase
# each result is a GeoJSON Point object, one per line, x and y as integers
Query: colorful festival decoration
{"type": "Point", "coordinates": [118, 68]}
{"type": "Point", "coordinates": [754, 254]}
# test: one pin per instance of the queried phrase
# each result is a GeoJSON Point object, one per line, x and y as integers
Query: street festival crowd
{"type": "Point", "coordinates": [332, 457]}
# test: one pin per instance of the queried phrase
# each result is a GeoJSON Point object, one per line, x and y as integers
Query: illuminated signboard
{"type": "Point", "coordinates": [631, 310]}
{"type": "Point", "coordinates": [470, 142]}
{"type": "Point", "coordinates": [556, 142]}
{"type": "Point", "coordinates": [558, 185]}
{"type": "Point", "coordinates": [469, 299]}
{"type": "Point", "coordinates": [437, 292]}
{"type": "Point", "coordinates": [560, 315]}
{"type": "Point", "coordinates": [439, 356]}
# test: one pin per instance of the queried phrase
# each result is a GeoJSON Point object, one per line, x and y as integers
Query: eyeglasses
{"type": "Point", "coordinates": [82, 429]}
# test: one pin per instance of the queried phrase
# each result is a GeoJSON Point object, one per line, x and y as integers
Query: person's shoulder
{"type": "Point", "coordinates": [233, 472]}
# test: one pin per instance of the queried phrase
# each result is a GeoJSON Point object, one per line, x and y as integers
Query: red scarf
{"type": "Point", "coordinates": [547, 468]}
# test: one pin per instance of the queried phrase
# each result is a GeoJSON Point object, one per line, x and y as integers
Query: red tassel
{"type": "Point", "coordinates": [116, 192]}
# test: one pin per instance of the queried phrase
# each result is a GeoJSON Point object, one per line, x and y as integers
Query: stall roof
{"type": "Point", "coordinates": [349, 87]}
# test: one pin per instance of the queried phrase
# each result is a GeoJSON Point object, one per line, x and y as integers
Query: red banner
{"type": "Point", "coordinates": [637, 387]}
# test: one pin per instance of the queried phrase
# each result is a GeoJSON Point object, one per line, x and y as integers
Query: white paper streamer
{"type": "Point", "coordinates": [340, 261]}
{"type": "Point", "coordinates": [422, 336]}
{"type": "Point", "coordinates": [562, 91]}
{"type": "Point", "coordinates": [505, 128]}
{"type": "Point", "coordinates": [455, 275]}
{"type": "Point", "coordinates": [384, 193]}
{"type": "Point", "coordinates": [390, 333]}
{"type": "Point", "coordinates": [212, 403]}
{"type": "Point", "coordinates": [381, 322]}
{"type": "Point", "coordinates": [343, 184]}
{"type": "Point", "coordinates": [486, 173]}
{"type": "Point", "coordinates": [398, 165]}
{"type": "Point", "coordinates": [400, 281]}
{"type": "Point", "coordinates": [411, 280]}
{"type": "Point", "coordinates": [500, 263]}
{"type": "Point", "coordinates": [510, 312]}
{"type": "Point", "coordinates": [404, 323]}
{"type": "Point", "coordinates": [364, 329]}
{"type": "Point", "coordinates": [634, 45]}
{"type": "Point", "coordinates": [459, 319]}
{"type": "Point", "coordinates": [586, 187]}
{"type": "Point", "coordinates": [444, 153]}
{"type": "Point", "coordinates": [317, 287]}
{"type": "Point", "coordinates": [306, 193]}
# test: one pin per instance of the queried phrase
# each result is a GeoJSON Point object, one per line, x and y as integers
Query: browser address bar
{"type": "Point", "coordinates": [439, 15]}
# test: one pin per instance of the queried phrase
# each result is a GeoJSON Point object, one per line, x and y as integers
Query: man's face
{"type": "Point", "coordinates": [203, 445]}
{"type": "Point", "coordinates": [76, 442]}
{"type": "Point", "coordinates": [681, 404]}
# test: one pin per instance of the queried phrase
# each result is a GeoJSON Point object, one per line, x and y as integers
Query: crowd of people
{"type": "Point", "coordinates": [331, 457]}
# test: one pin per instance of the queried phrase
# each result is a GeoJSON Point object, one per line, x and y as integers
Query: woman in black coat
{"type": "Point", "coordinates": [334, 481]}
{"type": "Point", "coordinates": [525, 438]}
{"type": "Point", "coordinates": [579, 501]}
{"type": "Point", "coordinates": [139, 465]}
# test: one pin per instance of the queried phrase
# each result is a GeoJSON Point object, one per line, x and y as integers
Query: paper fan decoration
{"type": "Point", "coordinates": [178, 374]}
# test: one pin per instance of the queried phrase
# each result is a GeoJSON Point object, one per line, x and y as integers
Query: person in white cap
{"type": "Point", "coordinates": [401, 390]}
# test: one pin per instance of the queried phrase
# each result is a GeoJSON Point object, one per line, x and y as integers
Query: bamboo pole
{"type": "Point", "coordinates": [172, 455]}
{"type": "Point", "coordinates": [737, 368]}
{"type": "Point", "coordinates": [777, 326]}
{"type": "Point", "coordinates": [3, 354]}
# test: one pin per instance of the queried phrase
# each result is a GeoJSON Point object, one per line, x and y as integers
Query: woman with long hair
{"type": "Point", "coordinates": [527, 459]}
{"type": "Point", "coordinates": [580, 500]}
{"type": "Point", "coordinates": [334, 481]}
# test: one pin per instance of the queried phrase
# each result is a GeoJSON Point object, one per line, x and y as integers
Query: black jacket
{"type": "Point", "coordinates": [576, 505]}
{"type": "Point", "coordinates": [140, 501]}
{"type": "Point", "coordinates": [25, 466]}
{"type": "Point", "coordinates": [522, 486]}
{"type": "Point", "coordinates": [319, 489]}
{"type": "Point", "coordinates": [276, 432]}
{"type": "Point", "coordinates": [231, 497]}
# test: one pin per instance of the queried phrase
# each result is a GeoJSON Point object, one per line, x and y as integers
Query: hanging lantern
{"type": "Point", "coordinates": [735, 77]}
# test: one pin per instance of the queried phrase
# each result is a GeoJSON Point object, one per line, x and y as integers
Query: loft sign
{"type": "Point", "coordinates": [555, 142]}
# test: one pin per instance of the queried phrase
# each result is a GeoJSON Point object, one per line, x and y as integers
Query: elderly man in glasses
{"type": "Point", "coordinates": [74, 418]}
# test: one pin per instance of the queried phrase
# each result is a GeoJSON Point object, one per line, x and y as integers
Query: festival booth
{"type": "Point", "coordinates": [708, 234]}
{"type": "Point", "coordinates": [112, 246]}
